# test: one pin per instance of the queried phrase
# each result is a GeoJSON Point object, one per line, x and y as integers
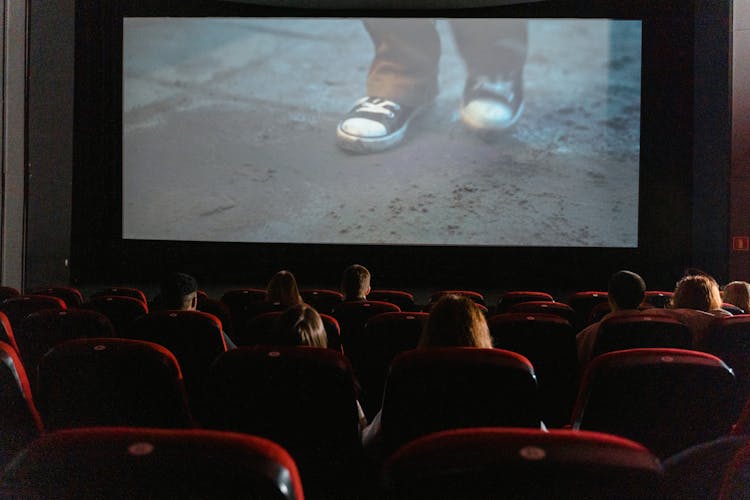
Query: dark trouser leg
{"type": "Point", "coordinates": [405, 67]}
{"type": "Point", "coordinates": [493, 48]}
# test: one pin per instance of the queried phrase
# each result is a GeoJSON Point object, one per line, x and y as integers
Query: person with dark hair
{"type": "Point", "coordinates": [283, 290]}
{"type": "Point", "coordinates": [626, 291]}
{"type": "Point", "coordinates": [355, 283]}
{"type": "Point", "coordinates": [179, 291]}
{"type": "Point", "coordinates": [301, 325]}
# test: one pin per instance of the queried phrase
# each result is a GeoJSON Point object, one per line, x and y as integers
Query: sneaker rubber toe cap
{"type": "Point", "coordinates": [489, 114]}
{"type": "Point", "coordinates": [363, 128]}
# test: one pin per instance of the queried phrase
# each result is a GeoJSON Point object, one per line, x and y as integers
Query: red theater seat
{"type": "Point", "coordinates": [243, 304]}
{"type": "Point", "coordinates": [41, 331]}
{"type": "Point", "coordinates": [122, 311]}
{"type": "Point", "coordinates": [322, 300]}
{"type": "Point", "coordinates": [303, 398]}
{"type": "Point", "coordinates": [195, 338]}
{"type": "Point", "coordinates": [509, 299]}
{"type": "Point", "coordinates": [641, 330]}
{"type": "Point", "coordinates": [98, 463]}
{"type": "Point", "coordinates": [17, 308]}
{"type": "Point", "coordinates": [404, 300]}
{"type": "Point", "coordinates": [583, 303]}
{"type": "Point", "coordinates": [218, 309]}
{"type": "Point", "coordinates": [121, 291]}
{"type": "Point", "coordinates": [20, 420]}
{"type": "Point", "coordinates": [729, 339]}
{"type": "Point", "coordinates": [521, 463]}
{"type": "Point", "coordinates": [70, 295]}
{"type": "Point", "coordinates": [106, 381]}
{"type": "Point", "coordinates": [666, 399]}
{"type": "Point", "coordinates": [352, 317]}
{"type": "Point", "coordinates": [435, 389]}
{"type": "Point", "coordinates": [6, 332]}
{"type": "Point", "coordinates": [261, 330]}
{"type": "Point", "coordinates": [385, 336]}
{"type": "Point", "coordinates": [7, 292]}
{"type": "Point", "coordinates": [545, 307]}
{"type": "Point", "coordinates": [549, 342]}
{"type": "Point", "coordinates": [475, 296]}
{"type": "Point", "coordinates": [696, 473]}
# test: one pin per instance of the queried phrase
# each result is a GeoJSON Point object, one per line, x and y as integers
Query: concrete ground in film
{"type": "Point", "coordinates": [229, 134]}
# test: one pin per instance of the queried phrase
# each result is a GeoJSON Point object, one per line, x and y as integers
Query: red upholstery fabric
{"type": "Point", "coordinates": [123, 462]}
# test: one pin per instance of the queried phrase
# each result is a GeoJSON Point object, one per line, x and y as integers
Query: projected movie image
{"type": "Point", "coordinates": [500, 132]}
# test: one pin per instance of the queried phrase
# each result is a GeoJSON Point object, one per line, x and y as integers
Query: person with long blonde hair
{"type": "Point", "coordinates": [737, 293]}
{"type": "Point", "coordinates": [301, 325]}
{"type": "Point", "coordinates": [456, 321]}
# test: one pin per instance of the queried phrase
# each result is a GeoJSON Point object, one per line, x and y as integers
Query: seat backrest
{"type": "Point", "coordinates": [122, 311]}
{"type": "Point", "coordinates": [544, 307]}
{"type": "Point", "coordinates": [509, 299]}
{"type": "Point", "coordinates": [695, 473]}
{"type": "Point", "coordinates": [218, 309]}
{"type": "Point", "coordinates": [7, 333]}
{"type": "Point", "coordinates": [471, 294]}
{"type": "Point", "coordinates": [7, 292]}
{"type": "Point", "coordinates": [521, 463]}
{"type": "Point", "coordinates": [667, 399]}
{"type": "Point", "coordinates": [322, 300]}
{"type": "Point", "coordinates": [298, 396]}
{"type": "Point", "coordinates": [70, 295]}
{"type": "Point", "coordinates": [583, 303]}
{"type": "Point", "coordinates": [729, 339]}
{"type": "Point", "coordinates": [641, 330]}
{"type": "Point", "coordinates": [549, 343]}
{"type": "Point", "coordinates": [17, 308]}
{"type": "Point", "coordinates": [261, 330]}
{"type": "Point", "coordinates": [403, 299]}
{"type": "Point", "coordinates": [111, 381]}
{"type": "Point", "coordinates": [195, 338]}
{"type": "Point", "coordinates": [384, 336]}
{"type": "Point", "coordinates": [41, 331]}
{"type": "Point", "coordinates": [303, 398]}
{"type": "Point", "coordinates": [239, 301]}
{"type": "Point", "coordinates": [20, 420]}
{"type": "Point", "coordinates": [121, 291]}
{"type": "Point", "coordinates": [352, 317]}
{"type": "Point", "coordinates": [124, 462]}
{"type": "Point", "coordinates": [735, 484]}
{"type": "Point", "coordinates": [434, 389]}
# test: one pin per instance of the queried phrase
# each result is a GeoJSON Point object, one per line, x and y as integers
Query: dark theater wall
{"type": "Point", "coordinates": [739, 268]}
{"type": "Point", "coordinates": [49, 164]}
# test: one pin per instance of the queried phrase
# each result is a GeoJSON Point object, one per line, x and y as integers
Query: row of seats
{"type": "Point", "coordinates": [96, 463]}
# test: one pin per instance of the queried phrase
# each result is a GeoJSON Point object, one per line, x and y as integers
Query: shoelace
{"type": "Point", "coordinates": [501, 87]}
{"type": "Point", "coordinates": [378, 106]}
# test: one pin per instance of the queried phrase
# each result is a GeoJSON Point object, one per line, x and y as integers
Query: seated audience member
{"type": "Point", "coordinates": [179, 291]}
{"type": "Point", "coordinates": [282, 290]}
{"type": "Point", "coordinates": [301, 325]}
{"type": "Point", "coordinates": [737, 293]}
{"type": "Point", "coordinates": [697, 302]}
{"type": "Point", "coordinates": [454, 321]}
{"type": "Point", "coordinates": [626, 291]}
{"type": "Point", "coordinates": [355, 283]}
